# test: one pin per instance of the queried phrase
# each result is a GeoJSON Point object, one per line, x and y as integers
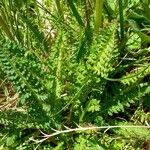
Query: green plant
{"type": "Point", "coordinates": [75, 78]}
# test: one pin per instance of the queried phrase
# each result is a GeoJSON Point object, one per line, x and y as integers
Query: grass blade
{"type": "Point", "coordinates": [75, 12]}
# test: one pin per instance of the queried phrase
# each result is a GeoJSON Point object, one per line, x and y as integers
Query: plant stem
{"type": "Point", "coordinates": [98, 15]}
{"type": "Point", "coordinates": [59, 9]}
{"type": "Point", "coordinates": [121, 20]}
{"type": "Point", "coordinates": [59, 68]}
{"type": "Point", "coordinates": [68, 130]}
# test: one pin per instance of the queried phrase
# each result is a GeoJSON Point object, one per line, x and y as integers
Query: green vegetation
{"type": "Point", "coordinates": [74, 74]}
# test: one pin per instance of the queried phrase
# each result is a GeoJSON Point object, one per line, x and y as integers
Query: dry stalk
{"type": "Point", "coordinates": [68, 130]}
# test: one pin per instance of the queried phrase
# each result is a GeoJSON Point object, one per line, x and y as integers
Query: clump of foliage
{"type": "Point", "coordinates": [68, 70]}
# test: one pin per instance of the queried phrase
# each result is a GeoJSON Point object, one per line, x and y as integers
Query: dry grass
{"type": "Point", "coordinates": [8, 98]}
